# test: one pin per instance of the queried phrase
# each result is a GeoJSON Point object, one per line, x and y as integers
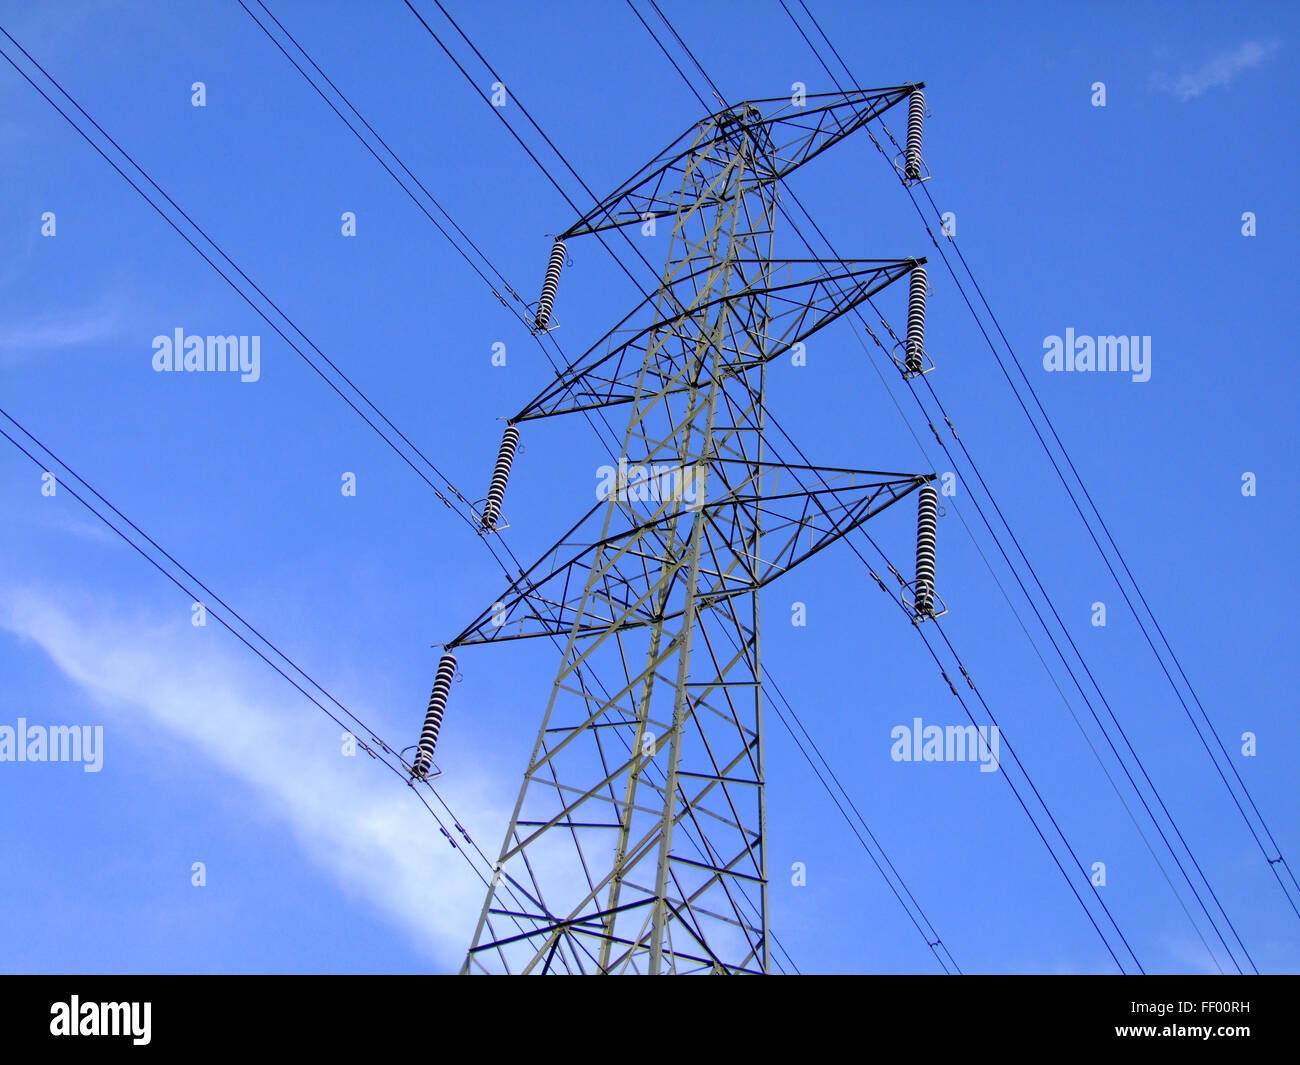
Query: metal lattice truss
{"type": "Point", "coordinates": [795, 298]}
{"type": "Point", "coordinates": [638, 841]}
{"type": "Point", "coordinates": [551, 600]}
{"type": "Point", "coordinates": [786, 135]}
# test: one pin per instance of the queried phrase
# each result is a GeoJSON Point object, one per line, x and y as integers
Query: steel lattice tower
{"type": "Point", "coordinates": [638, 841]}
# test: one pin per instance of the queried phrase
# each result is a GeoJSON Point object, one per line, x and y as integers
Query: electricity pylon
{"type": "Point", "coordinates": [638, 842]}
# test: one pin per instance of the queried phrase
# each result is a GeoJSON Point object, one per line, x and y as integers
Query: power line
{"type": "Point", "coordinates": [567, 164]}
{"type": "Point", "coordinates": [451, 488]}
{"type": "Point", "coordinates": [564, 160]}
{"type": "Point", "coordinates": [1273, 862]}
{"type": "Point", "coordinates": [369, 127]}
{"type": "Point", "coordinates": [239, 291]}
{"type": "Point", "coordinates": [858, 314]}
{"type": "Point", "coordinates": [280, 660]}
{"type": "Point", "coordinates": [1078, 654]}
{"type": "Point", "coordinates": [487, 280]}
{"type": "Point", "coordinates": [459, 230]}
{"type": "Point", "coordinates": [685, 48]}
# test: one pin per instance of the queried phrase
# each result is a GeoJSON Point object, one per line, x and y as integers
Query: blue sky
{"type": "Point", "coordinates": [1117, 220]}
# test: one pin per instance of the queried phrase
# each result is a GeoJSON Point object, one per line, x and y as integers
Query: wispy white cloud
{"type": "Point", "coordinates": [64, 522]}
{"type": "Point", "coordinates": [56, 332]}
{"type": "Point", "coordinates": [1220, 71]}
{"type": "Point", "coordinates": [351, 818]}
